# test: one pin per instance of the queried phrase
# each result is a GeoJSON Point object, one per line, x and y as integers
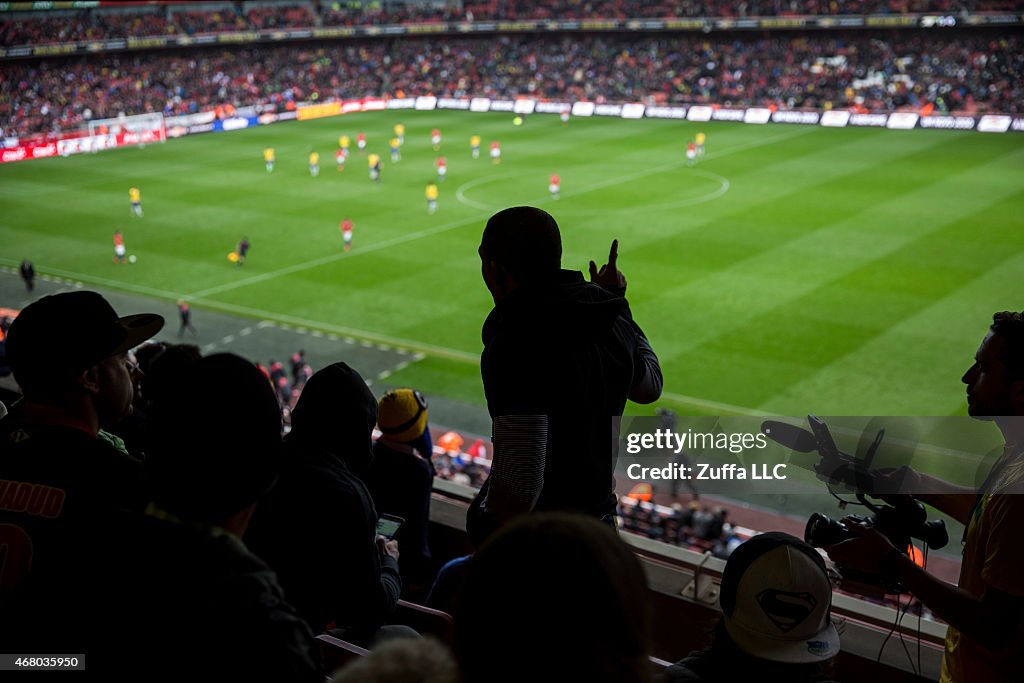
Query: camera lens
{"type": "Point", "coordinates": [821, 531]}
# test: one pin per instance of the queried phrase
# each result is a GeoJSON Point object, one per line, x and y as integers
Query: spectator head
{"type": "Point", "coordinates": [776, 601]}
{"type": "Point", "coordinates": [215, 439]}
{"type": "Point", "coordinates": [402, 416]}
{"type": "Point", "coordinates": [336, 411]}
{"type": "Point", "coordinates": [74, 344]}
{"type": "Point", "coordinates": [505, 628]}
{"type": "Point", "coordinates": [520, 246]}
{"type": "Point", "coordinates": [162, 368]}
{"type": "Point", "coordinates": [403, 660]}
{"type": "Point", "coordinates": [145, 354]}
{"type": "Point", "coordinates": [995, 382]}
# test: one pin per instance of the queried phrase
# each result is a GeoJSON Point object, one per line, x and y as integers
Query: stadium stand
{"type": "Point", "coordinates": [680, 588]}
{"type": "Point", "coordinates": [967, 72]}
{"type": "Point", "coordinates": [29, 28]}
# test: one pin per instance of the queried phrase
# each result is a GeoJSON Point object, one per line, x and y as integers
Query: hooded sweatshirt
{"type": "Point", "coordinates": [567, 352]}
{"type": "Point", "coordinates": [317, 527]}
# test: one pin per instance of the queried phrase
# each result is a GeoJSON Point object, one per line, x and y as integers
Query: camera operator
{"type": "Point", "coordinates": [985, 612]}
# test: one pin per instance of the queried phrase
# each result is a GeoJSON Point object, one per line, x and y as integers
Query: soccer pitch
{"type": "Point", "coordinates": [792, 270]}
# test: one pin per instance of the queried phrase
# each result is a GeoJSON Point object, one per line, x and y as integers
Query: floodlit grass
{"type": "Point", "coordinates": [793, 269]}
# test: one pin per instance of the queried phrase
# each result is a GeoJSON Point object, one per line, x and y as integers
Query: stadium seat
{"type": "Point", "coordinates": [658, 666]}
{"type": "Point", "coordinates": [428, 621]}
{"type": "Point", "coordinates": [335, 652]}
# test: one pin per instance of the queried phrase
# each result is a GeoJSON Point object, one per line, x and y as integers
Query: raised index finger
{"type": "Point", "coordinates": [613, 254]}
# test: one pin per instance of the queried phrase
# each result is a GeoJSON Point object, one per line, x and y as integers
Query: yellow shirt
{"type": "Point", "coordinates": [993, 556]}
{"type": "Point", "coordinates": [700, 138]}
{"type": "Point", "coordinates": [343, 141]}
{"type": "Point", "coordinates": [399, 129]}
{"type": "Point", "coordinates": [314, 159]}
{"type": "Point", "coordinates": [394, 142]}
{"type": "Point", "coordinates": [268, 154]}
{"type": "Point", "coordinates": [134, 194]}
{"type": "Point", "coordinates": [373, 160]}
{"type": "Point", "coordinates": [474, 141]}
{"type": "Point", "coordinates": [431, 191]}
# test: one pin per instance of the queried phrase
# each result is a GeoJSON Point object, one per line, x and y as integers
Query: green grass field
{"type": "Point", "coordinates": [794, 269]}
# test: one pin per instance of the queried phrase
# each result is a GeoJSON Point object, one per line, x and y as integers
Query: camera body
{"type": "Point", "coordinates": [900, 520]}
{"type": "Point", "coordinates": [906, 519]}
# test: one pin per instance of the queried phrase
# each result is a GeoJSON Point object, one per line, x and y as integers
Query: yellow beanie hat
{"type": "Point", "coordinates": [402, 414]}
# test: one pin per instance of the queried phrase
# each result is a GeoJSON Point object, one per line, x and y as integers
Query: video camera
{"type": "Point", "coordinates": [902, 519]}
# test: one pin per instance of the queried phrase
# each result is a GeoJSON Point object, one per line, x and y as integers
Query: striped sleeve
{"type": "Point", "coordinates": [517, 470]}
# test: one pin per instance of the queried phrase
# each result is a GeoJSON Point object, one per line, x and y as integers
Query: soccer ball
{"type": "Point", "coordinates": [131, 259]}
{"type": "Point", "coordinates": [233, 257]}
{"type": "Point", "coordinates": [517, 121]}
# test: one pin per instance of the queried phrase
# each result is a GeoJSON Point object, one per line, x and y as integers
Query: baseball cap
{"type": "Point", "coordinates": [402, 414]}
{"type": "Point", "coordinates": [776, 598]}
{"type": "Point", "coordinates": [60, 335]}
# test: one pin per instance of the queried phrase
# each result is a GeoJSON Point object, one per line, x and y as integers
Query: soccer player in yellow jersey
{"type": "Point", "coordinates": [396, 153]}
{"type": "Point", "coordinates": [268, 156]}
{"type": "Point", "coordinates": [135, 197]}
{"type": "Point", "coordinates": [474, 144]}
{"type": "Point", "coordinates": [700, 144]}
{"type": "Point", "coordinates": [431, 195]}
{"type": "Point", "coordinates": [344, 142]}
{"type": "Point", "coordinates": [314, 164]}
{"type": "Point", "coordinates": [400, 133]}
{"type": "Point", "coordinates": [373, 161]}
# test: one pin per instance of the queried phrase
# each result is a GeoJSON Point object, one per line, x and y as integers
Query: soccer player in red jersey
{"type": "Point", "coordinates": [118, 247]}
{"type": "Point", "coordinates": [346, 232]}
{"type": "Point", "coordinates": [435, 139]}
{"type": "Point", "coordinates": [555, 186]}
{"type": "Point", "coordinates": [442, 168]}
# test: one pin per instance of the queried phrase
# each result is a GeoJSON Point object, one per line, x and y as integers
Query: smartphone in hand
{"type": "Point", "coordinates": [388, 525]}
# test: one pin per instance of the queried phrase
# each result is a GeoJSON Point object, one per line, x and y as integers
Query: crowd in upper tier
{"type": "Point", "coordinates": [244, 16]}
{"type": "Point", "coordinates": [971, 72]}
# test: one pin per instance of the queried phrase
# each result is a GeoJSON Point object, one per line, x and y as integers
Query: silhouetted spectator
{"type": "Point", "coordinates": [69, 355]}
{"type": "Point", "coordinates": [178, 579]}
{"type": "Point", "coordinates": [554, 597]}
{"type": "Point", "coordinates": [317, 528]}
{"type": "Point", "coordinates": [160, 364]}
{"type": "Point", "coordinates": [401, 478]}
{"type": "Point", "coordinates": [776, 622]}
{"type": "Point", "coordinates": [561, 356]}
{"type": "Point", "coordinates": [403, 660]}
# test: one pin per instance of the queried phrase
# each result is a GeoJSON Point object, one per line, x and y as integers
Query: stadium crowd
{"type": "Point", "coordinates": [209, 532]}
{"type": "Point", "coordinates": [103, 24]}
{"type": "Point", "coordinates": [969, 72]}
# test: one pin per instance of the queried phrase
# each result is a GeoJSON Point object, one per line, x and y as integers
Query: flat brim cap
{"type": "Point", "coordinates": [777, 601]}
{"type": "Point", "coordinates": [63, 334]}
